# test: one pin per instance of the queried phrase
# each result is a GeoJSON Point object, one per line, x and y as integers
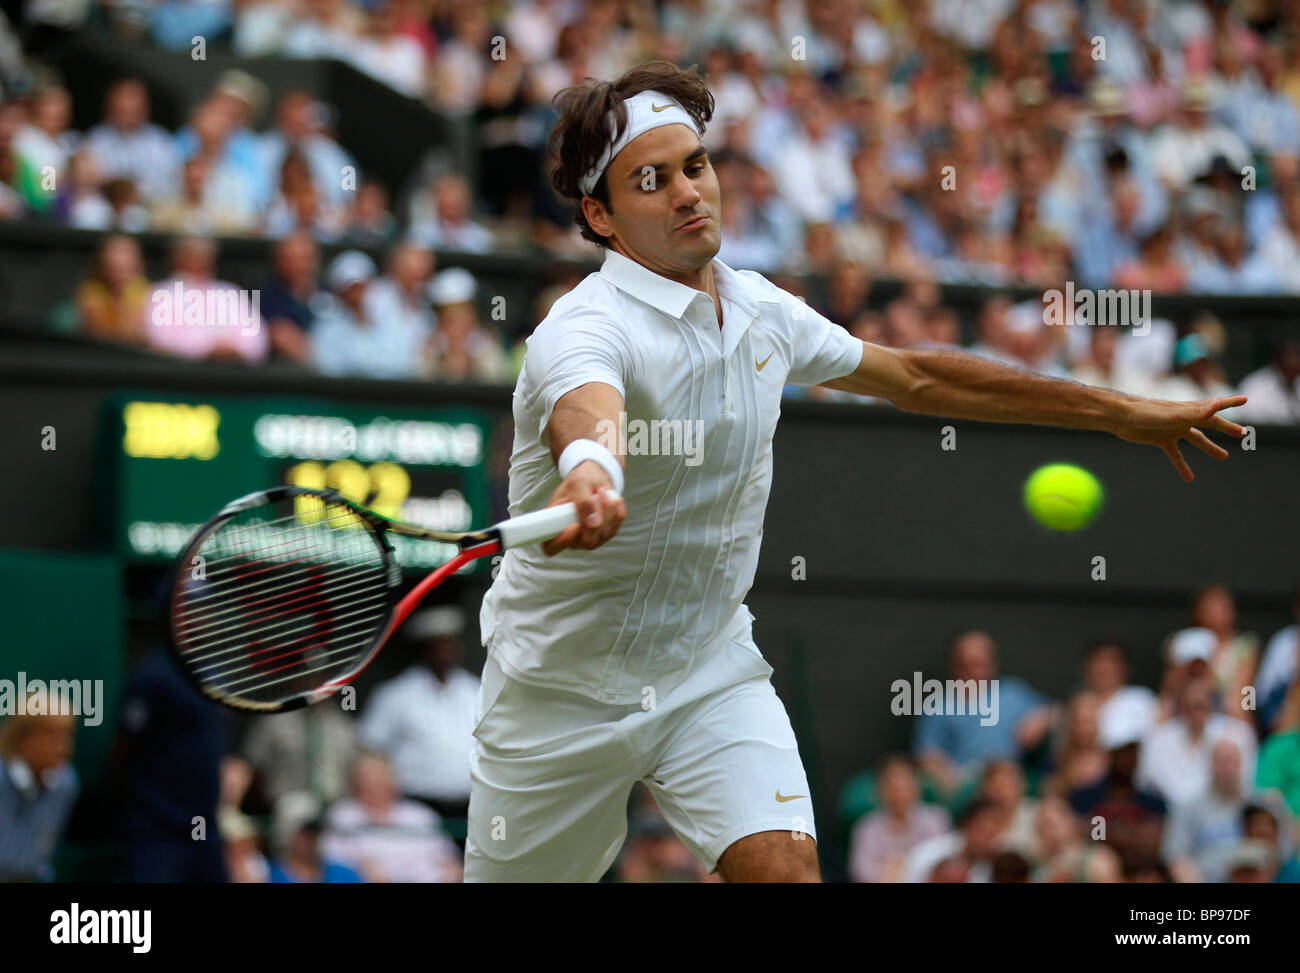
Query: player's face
{"type": "Point", "coordinates": [665, 203]}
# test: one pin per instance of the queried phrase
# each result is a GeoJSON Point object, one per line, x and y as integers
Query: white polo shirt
{"type": "Point", "coordinates": [642, 609]}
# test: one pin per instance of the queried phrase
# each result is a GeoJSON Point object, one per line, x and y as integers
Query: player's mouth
{"type": "Point", "coordinates": [695, 224]}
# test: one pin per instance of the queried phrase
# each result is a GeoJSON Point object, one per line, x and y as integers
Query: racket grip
{"type": "Point", "coordinates": [540, 525]}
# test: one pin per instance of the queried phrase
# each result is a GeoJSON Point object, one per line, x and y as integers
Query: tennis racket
{"type": "Point", "coordinates": [285, 596]}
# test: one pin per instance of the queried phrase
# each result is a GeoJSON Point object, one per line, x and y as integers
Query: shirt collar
{"type": "Point", "coordinates": [672, 297]}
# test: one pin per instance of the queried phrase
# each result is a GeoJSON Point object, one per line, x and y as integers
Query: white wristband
{"type": "Point", "coordinates": [581, 450]}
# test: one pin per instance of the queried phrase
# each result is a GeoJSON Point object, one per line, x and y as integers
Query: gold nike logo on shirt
{"type": "Point", "coordinates": [792, 797]}
{"type": "Point", "coordinates": [758, 365]}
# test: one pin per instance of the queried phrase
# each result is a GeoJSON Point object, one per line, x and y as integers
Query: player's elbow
{"type": "Point", "coordinates": [910, 383]}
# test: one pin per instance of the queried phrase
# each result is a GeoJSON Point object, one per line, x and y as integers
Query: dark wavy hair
{"type": "Point", "coordinates": [581, 134]}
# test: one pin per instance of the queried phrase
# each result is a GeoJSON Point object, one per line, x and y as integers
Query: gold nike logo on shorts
{"type": "Point", "coordinates": [792, 797]}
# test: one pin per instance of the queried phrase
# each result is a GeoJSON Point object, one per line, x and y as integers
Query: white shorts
{"type": "Point", "coordinates": [552, 770]}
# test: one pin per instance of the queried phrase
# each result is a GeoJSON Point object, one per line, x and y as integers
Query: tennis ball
{"type": "Point", "coordinates": [1062, 496]}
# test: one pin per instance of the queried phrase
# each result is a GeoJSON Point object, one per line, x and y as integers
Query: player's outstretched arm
{"type": "Point", "coordinates": [964, 386]}
{"type": "Point", "coordinates": [585, 414]}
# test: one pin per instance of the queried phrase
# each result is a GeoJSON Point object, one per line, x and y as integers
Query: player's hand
{"type": "Point", "coordinates": [1163, 424]}
{"type": "Point", "coordinates": [599, 517]}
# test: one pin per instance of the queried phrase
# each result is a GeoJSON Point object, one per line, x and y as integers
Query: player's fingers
{"type": "Point", "coordinates": [591, 512]}
{"type": "Point", "coordinates": [1180, 464]}
{"type": "Point", "coordinates": [1205, 444]}
{"type": "Point", "coordinates": [1220, 424]}
{"type": "Point", "coordinates": [562, 541]}
{"type": "Point", "coordinates": [1211, 419]}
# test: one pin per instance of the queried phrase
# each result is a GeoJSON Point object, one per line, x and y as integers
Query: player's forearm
{"type": "Point", "coordinates": [588, 412]}
{"type": "Point", "coordinates": [964, 386]}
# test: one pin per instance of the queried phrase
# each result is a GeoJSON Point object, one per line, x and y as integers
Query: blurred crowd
{"type": "Point", "coordinates": [1196, 779]}
{"type": "Point", "coordinates": [1136, 144]}
{"type": "Point", "coordinates": [1193, 779]}
{"type": "Point", "coordinates": [332, 793]}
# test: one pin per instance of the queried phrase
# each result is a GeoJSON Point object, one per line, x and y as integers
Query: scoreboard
{"type": "Point", "coordinates": [177, 462]}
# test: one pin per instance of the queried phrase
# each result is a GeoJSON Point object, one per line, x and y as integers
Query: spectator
{"type": "Point", "coordinates": [1274, 827]}
{"type": "Point", "coordinates": [46, 145]}
{"type": "Point", "coordinates": [171, 746]}
{"type": "Point", "coordinates": [307, 751]}
{"type": "Point", "coordinates": [952, 746]}
{"type": "Point", "coordinates": [297, 204]}
{"type": "Point", "coordinates": [1063, 853]}
{"type": "Point", "coordinates": [201, 205]}
{"type": "Point", "coordinates": [1204, 829]}
{"type": "Point", "coordinates": [371, 224]}
{"type": "Point", "coordinates": [173, 24]}
{"type": "Point", "coordinates": [1102, 368]}
{"type": "Point", "coordinates": [1280, 246]}
{"type": "Point", "coordinates": [194, 315]}
{"type": "Point", "coordinates": [1003, 785]}
{"type": "Point", "coordinates": [882, 838]}
{"type": "Point", "coordinates": [387, 55]}
{"type": "Point", "coordinates": [327, 29]}
{"type": "Point", "coordinates": [1274, 390]}
{"type": "Point", "coordinates": [111, 301]}
{"type": "Point", "coordinates": [292, 295]}
{"type": "Point", "coordinates": [1123, 708]}
{"type": "Point", "coordinates": [1236, 654]}
{"type": "Point", "coordinates": [1279, 760]}
{"type": "Point", "coordinates": [384, 837]}
{"type": "Point", "coordinates": [423, 720]}
{"type": "Point", "coordinates": [1196, 374]}
{"type": "Point", "coordinates": [1183, 149]}
{"type": "Point", "coordinates": [242, 846]}
{"type": "Point", "coordinates": [1132, 816]}
{"type": "Point", "coordinates": [974, 844]}
{"type": "Point", "coordinates": [300, 129]}
{"type": "Point", "coordinates": [1081, 760]}
{"type": "Point", "coordinates": [462, 349]}
{"type": "Point", "coordinates": [815, 147]}
{"type": "Point", "coordinates": [38, 787]}
{"type": "Point", "coordinates": [126, 145]}
{"type": "Point", "coordinates": [79, 202]}
{"type": "Point", "coordinates": [297, 836]}
{"type": "Point", "coordinates": [354, 336]}
{"type": "Point", "coordinates": [1279, 668]}
{"type": "Point", "coordinates": [1176, 754]}
{"type": "Point", "coordinates": [1252, 861]}
{"type": "Point", "coordinates": [404, 289]}
{"type": "Point", "coordinates": [443, 223]}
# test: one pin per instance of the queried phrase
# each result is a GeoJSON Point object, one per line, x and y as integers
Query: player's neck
{"type": "Point", "coordinates": [700, 279]}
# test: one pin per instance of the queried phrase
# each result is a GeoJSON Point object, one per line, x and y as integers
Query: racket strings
{"type": "Point", "coordinates": [298, 595]}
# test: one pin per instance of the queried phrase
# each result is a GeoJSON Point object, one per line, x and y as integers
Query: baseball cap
{"type": "Point", "coordinates": [452, 286]}
{"type": "Point", "coordinates": [1191, 644]}
{"type": "Point", "coordinates": [348, 268]}
{"type": "Point", "coordinates": [445, 621]}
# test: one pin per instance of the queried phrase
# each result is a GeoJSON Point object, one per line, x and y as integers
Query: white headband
{"type": "Point", "coordinates": [645, 111]}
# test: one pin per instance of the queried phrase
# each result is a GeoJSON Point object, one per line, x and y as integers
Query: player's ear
{"type": "Point", "coordinates": [597, 215]}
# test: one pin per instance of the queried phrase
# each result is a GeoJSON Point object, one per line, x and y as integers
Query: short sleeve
{"type": "Point", "coordinates": [579, 347]}
{"type": "Point", "coordinates": [820, 350]}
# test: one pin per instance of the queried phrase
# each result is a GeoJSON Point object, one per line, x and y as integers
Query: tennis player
{"type": "Point", "coordinates": [621, 651]}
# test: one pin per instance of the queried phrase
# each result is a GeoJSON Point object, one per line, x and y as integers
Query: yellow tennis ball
{"type": "Point", "coordinates": [1062, 496]}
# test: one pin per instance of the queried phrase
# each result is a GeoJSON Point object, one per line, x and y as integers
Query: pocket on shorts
{"type": "Point", "coordinates": [491, 687]}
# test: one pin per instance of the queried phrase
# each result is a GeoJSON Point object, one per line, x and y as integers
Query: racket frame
{"type": "Point", "coordinates": [472, 544]}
